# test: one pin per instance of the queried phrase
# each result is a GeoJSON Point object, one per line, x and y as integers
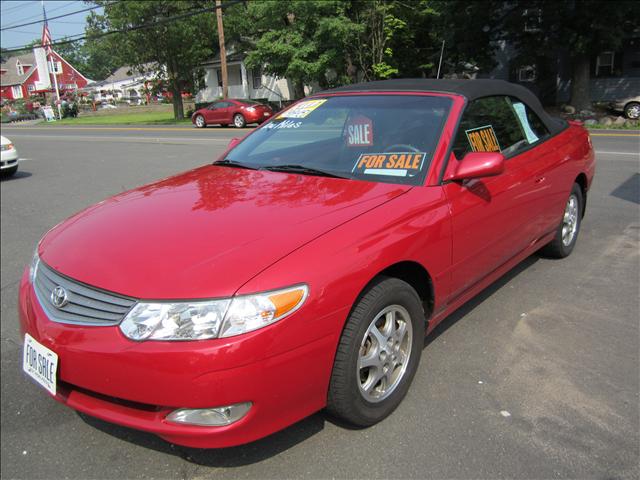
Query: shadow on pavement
{"type": "Point", "coordinates": [481, 297]}
{"type": "Point", "coordinates": [220, 457]}
{"type": "Point", "coordinates": [16, 176]}
{"type": "Point", "coordinates": [629, 189]}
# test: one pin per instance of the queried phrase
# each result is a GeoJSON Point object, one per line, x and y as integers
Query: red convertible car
{"type": "Point", "coordinates": [232, 112]}
{"type": "Point", "coordinates": [302, 269]}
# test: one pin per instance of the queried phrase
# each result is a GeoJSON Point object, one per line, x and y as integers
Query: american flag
{"type": "Point", "coordinates": [46, 38]}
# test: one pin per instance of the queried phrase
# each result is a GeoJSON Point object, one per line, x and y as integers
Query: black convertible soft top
{"type": "Point", "coordinates": [470, 89]}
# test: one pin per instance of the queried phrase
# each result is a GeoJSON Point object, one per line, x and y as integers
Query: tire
{"type": "Point", "coordinates": [632, 110]}
{"type": "Point", "coordinates": [567, 233]}
{"type": "Point", "coordinates": [9, 172]}
{"type": "Point", "coordinates": [200, 122]}
{"type": "Point", "coordinates": [239, 121]}
{"type": "Point", "coordinates": [357, 395]}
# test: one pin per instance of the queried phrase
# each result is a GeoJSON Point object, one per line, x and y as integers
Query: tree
{"type": "Point", "coordinates": [177, 47]}
{"type": "Point", "coordinates": [299, 40]}
{"type": "Point", "coordinates": [539, 28]}
{"type": "Point", "coordinates": [333, 42]}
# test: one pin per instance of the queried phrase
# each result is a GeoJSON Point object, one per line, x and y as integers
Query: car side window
{"type": "Point", "coordinates": [532, 127]}
{"type": "Point", "coordinates": [217, 105]}
{"type": "Point", "coordinates": [489, 124]}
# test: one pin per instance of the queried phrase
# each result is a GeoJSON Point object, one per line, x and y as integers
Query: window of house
{"type": "Point", "coordinates": [219, 76]}
{"type": "Point", "coordinates": [604, 63]}
{"type": "Point", "coordinates": [16, 90]}
{"type": "Point", "coordinates": [19, 68]}
{"type": "Point", "coordinates": [527, 73]}
{"type": "Point", "coordinates": [55, 67]}
{"type": "Point", "coordinates": [256, 75]}
{"type": "Point", "coordinates": [31, 88]}
{"type": "Point", "coordinates": [489, 124]}
{"type": "Point", "coordinates": [532, 19]}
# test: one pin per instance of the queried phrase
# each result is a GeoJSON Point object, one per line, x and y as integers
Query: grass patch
{"type": "Point", "coordinates": [613, 127]}
{"type": "Point", "coordinates": [125, 118]}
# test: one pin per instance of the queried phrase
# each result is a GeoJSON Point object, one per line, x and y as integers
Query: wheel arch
{"type": "Point", "coordinates": [581, 180]}
{"type": "Point", "coordinates": [416, 275]}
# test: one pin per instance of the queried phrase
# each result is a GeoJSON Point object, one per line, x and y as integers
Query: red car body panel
{"type": "Point", "coordinates": [272, 230]}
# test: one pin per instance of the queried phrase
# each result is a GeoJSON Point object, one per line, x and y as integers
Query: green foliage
{"type": "Point", "coordinates": [333, 42]}
{"type": "Point", "coordinates": [175, 48]}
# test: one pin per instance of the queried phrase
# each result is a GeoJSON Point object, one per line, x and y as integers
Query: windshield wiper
{"type": "Point", "coordinates": [292, 168]}
{"type": "Point", "coordinates": [232, 163]}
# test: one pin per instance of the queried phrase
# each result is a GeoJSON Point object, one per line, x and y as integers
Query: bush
{"type": "Point", "coordinates": [69, 110]}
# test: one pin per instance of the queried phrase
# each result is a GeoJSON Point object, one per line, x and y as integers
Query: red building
{"type": "Point", "coordinates": [24, 75]}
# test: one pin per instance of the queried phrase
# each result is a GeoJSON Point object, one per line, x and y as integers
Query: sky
{"type": "Point", "coordinates": [15, 12]}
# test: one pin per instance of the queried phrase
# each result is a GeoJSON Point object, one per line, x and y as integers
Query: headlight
{"type": "Point", "coordinates": [250, 109]}
{"type": "Point", "coordinates": [211, 319]}
{"type": "Point", "coordinates": [33, 267]}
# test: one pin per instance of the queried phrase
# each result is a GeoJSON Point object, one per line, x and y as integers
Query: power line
{"type": "Point", "coordinates": [15, 7]}
{"type": "Point", "coordinates": [14, 24]}
{"type": "Point", "coordinates": [131, 29]}
{"type": "Point", "coordinates": [51, 18]}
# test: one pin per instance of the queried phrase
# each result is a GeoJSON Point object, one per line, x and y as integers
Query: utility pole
{"type": "Point", "coordinates": [440, 62]}
{"type": "Point", "coordinates": [223, 52]}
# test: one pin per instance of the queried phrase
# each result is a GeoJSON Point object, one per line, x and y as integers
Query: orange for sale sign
{"type": "Point", "coordinates": [397, 164]}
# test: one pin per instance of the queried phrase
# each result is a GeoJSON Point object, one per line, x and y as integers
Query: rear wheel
{"type": "Point", "coordinates": [378, 353]}
{"type": "Point", "coordinates": [200, 121]}
{"type": "Point", "coordinates": [632, 110]}
{"type": "Point", "coordinates": [567, 234]}
{"type": "Point", "coordinates": [239, 121]}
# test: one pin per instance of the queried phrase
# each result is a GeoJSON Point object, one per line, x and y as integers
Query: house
{"type": "Point", "coordinates": [613, 74]}
{"type": "Point", "coordinates": [243, 82]}
{"type": "Point", "coordinates": [126, 83]}
{"type": "Point", "coordinates": [24, 75]}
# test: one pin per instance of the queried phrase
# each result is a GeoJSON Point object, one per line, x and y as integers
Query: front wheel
{"type": "Point", "coordinates": [239, 121]}
{"type": "Point", "coordinates": [567, 233]}
{"type": "Point", "coordinates": [200, 121]}
{"type": "Point", "coordinates": [378, 353]}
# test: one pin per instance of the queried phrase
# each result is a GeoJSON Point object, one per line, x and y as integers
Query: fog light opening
{"type": "Point", "coordinates": [210, 417]}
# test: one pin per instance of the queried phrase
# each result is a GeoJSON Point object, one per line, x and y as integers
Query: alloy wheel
{"type": "Point", "coordinates": [384, 353]}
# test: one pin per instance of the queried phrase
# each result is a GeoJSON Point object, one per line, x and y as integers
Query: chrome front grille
{"type": "Point", "coordinates": [84, 305]}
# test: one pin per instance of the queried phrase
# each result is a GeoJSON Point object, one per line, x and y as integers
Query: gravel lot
{"type": "Point", "coordinates": [536, 378]}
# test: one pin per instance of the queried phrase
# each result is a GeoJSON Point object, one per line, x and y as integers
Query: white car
{"type": "Point", "coordinates": [9, 163]}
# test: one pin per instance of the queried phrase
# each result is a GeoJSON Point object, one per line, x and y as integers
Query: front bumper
{"type": "Point", "coordinates": [105, 375]}
{"type": "Point", "coordinates": [9, 159]}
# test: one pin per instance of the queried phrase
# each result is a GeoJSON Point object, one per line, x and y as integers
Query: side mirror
{"type": "Point", "coordinates": [479, 164]}
{"type": "Point", "coordinates": [233, 142]}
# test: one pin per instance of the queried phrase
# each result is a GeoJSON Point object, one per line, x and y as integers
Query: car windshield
{"type": "Point", "coordinates": [379, 138]}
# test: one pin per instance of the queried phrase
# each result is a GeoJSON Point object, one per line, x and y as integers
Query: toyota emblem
{"type": "Point", "coordinates": [59, 297]}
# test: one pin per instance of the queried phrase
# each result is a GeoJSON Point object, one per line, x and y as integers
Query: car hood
{"type": "Point", "coordinates": [204, 233]}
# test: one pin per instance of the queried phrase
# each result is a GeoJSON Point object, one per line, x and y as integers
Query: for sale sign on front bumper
{"type": "Point", "coordinates": [40, 363]}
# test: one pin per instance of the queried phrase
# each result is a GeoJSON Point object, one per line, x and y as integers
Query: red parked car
{"type": "Point", "coordinates": [302, 269]}
{"type": "Point", "coordinates": [232, 112]}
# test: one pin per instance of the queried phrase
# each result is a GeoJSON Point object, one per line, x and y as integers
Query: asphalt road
{"type": "Point", "coordinates": [536, 378]}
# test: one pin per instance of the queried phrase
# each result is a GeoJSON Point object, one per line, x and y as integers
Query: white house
{"type": "Point", "coordinates": [126, 83]}
{"type": "Point", "coordinates": [243, 82]}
